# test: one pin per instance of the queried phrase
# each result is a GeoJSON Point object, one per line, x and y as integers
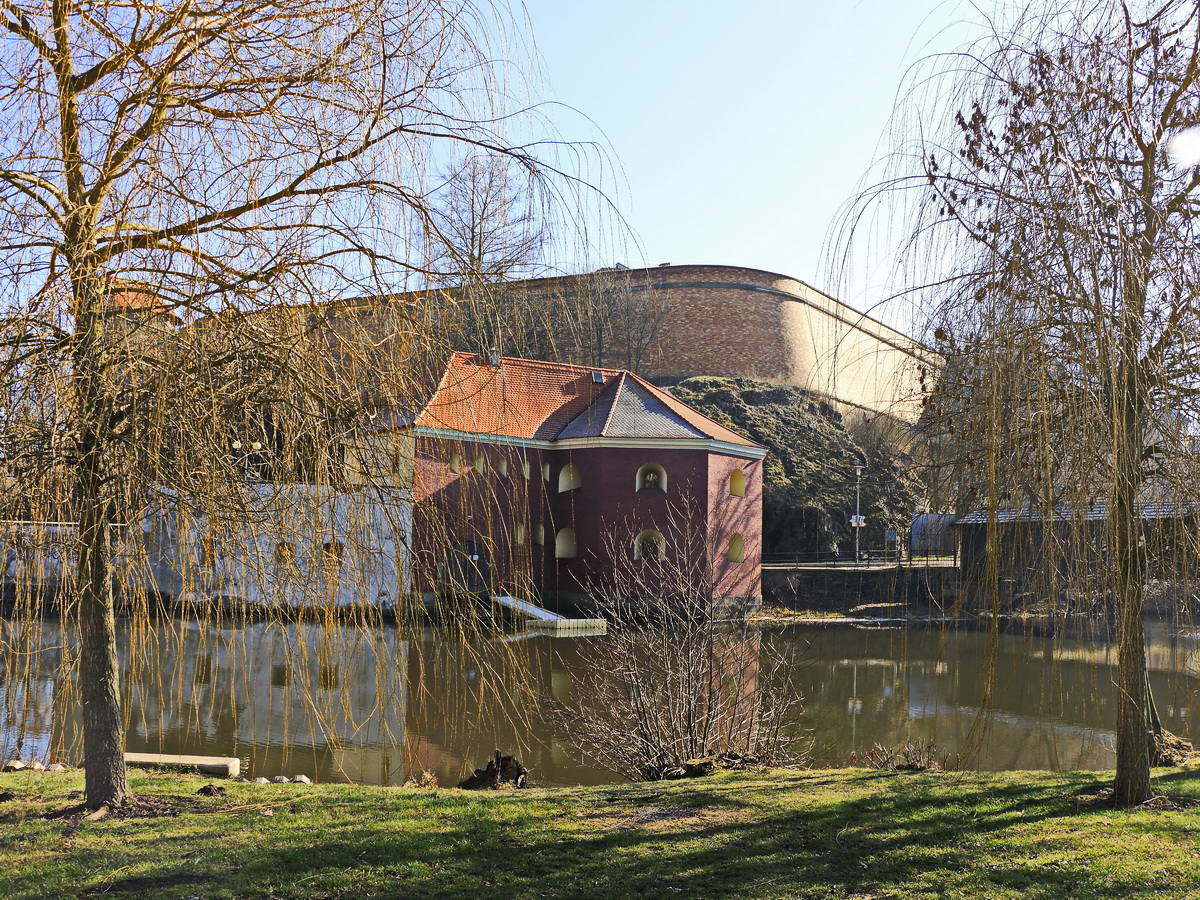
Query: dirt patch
{"type": "Point", "coordinates": [1159, 802]}
{"type": "Point", "coordinates": [139, 808]}
{"type": "Point", "coordinates": [669, 818]}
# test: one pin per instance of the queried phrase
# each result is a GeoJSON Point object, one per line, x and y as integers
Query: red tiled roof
{"type": "Point", "coordinates": [136, 297]}
{"type": "Point", "coordinates": [521, 398]}
{"type": "Point", "coordinates": [524, 398]}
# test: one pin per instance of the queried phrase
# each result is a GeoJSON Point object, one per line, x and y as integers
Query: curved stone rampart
{"type": "Point", "coordinates": [734, 321]}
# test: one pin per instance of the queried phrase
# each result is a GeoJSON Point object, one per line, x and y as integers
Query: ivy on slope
{"type": "Point", "coordinates": [808, 490]}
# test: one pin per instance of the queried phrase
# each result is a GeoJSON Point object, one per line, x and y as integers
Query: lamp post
{"type": "Point", "coordinates": [858, 519]}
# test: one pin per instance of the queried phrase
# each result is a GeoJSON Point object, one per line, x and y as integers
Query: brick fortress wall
{"type": "Point", "coordinates": [726, 320]}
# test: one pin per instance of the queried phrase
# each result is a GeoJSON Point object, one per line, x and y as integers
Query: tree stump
{"type": "Point", "coordinates": [501, 770]}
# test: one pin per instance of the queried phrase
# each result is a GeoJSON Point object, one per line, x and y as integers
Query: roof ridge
{"type": "Point", "coordinates": [540, 363]}
{"type": "Point", "coordinates": [610, 387]}
{"type": "Point", "coordinates": [427, 406]}
{"type": "Point", "coordinates": [612, 407]}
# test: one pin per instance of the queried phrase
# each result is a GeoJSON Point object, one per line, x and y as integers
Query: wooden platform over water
{"type": "Point", "coordinates": [221, 766]}
{"type": "Point", "coordinates": [544, 621]}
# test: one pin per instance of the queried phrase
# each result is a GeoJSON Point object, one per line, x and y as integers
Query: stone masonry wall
{"type": "Point", "coordinates": [727, 320]}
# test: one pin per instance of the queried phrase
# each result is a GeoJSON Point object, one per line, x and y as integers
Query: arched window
{"type": "Point", "coordinates": [519, 536]}
{"type": "Point", "coordinates": [736, 552]}
{"type": "Point", "coordinates": [651, 477]}
{"type": "Point", "coordinates": [525, 468]}
{"type": "Point", "coordinates": [480, 464]}
{"type": "Point", "coordinates": [649, 546]}
{"type": "Point", "coordinates": [502, 467]}
{"type": "Point", "coordinates": [569, 478]}
{"type": "Point", "coordinates": [564, 544]}
{"type": "Point", "coordinates": [737, 483]}
{"type": "Point", "coordinates": [545, 471]}
{"type": "Point", "coordinates": [455, 463]}
{"type": "Point", "coordinates": [333, 553]}
{"type": "Point", "coordinates": [539, 534]}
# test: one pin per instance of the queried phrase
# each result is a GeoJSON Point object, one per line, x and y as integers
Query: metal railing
{"type": "Point", "coordinates": [868, 556]}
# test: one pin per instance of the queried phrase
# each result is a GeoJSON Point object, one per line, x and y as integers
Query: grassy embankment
{"type": "Point", "coordinates": [849, 834]}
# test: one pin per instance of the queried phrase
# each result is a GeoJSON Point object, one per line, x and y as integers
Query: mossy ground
{"type": "Point", "coordinates": [809, 479]}
{"type": "Point", "coordinates": [837, 834]}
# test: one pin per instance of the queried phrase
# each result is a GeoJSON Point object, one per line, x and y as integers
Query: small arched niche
{"type": "Point", "coordinates": [736, 551]}
{"type": "Point", "coordinates": [569, 478]}
{"type": "Point", "coordinates": [737, 483]}
{"type": "Point", "coordinates": [564, 544]}
{"type": "Point", "coordinates": [333, 552]}
{"type": "Point", "coordinates": [651, 477]}
{"type": "Point", "coordinates": [649, 546]}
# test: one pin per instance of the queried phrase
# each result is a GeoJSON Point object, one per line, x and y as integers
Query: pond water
{"type": "Point", "coordinates": [377, 704]}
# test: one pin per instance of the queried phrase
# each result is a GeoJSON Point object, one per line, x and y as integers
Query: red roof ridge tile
{"type": "Point", "coordinates": [534, 363]}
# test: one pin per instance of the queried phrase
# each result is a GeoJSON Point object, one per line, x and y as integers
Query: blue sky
{"type": "Point", "coordinates": [739, 130]}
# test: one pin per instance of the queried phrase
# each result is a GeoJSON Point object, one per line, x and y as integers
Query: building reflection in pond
{"type": "Point", "coordinates": [374, 705]}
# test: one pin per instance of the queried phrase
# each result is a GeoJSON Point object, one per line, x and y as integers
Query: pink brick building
{"type": "Point", "coordinates": [561, 481]}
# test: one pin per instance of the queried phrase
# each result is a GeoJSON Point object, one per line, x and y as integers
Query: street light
{"type": "Point", "coordinates": [859, 522]}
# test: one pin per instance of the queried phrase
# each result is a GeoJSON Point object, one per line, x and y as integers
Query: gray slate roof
{"type": "Point", "coordinates": [1069, 513]}
{"type": "Point", "coordinates": [627, 409]}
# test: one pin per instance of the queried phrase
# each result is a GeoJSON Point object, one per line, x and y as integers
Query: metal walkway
{"type": "Point", "coordinates": [546, 622]}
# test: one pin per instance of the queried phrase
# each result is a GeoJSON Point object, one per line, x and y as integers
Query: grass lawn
{"type": "Point", "coordinates": [843, 834]}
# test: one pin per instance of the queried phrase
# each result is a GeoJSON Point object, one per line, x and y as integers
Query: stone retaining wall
{"type": "Point", "coordinates": [915, 590]}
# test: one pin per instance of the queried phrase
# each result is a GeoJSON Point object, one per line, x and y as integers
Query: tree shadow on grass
{"type": "Point", "coordinates": [879, 834]}
{"type": "Point", "coordinates": [925, 838]}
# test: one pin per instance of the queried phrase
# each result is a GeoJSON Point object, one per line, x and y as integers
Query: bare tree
{"type": "Point", "coordinates": [675, 679]}
{"type": "Point", "coordinates": [488, 220]}
{"type": "Point", "coordinates": [1065, 247]}
{"type": "Point", "coordinates": [489, 229]}
{"type": "Point", "coordinates": [184, 160]}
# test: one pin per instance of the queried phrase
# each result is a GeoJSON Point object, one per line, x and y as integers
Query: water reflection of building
{"type": "Point", "coordinates": [374, 705]}
{"type": "Point", "coordinates": [285, 697]}
{"type": "Point", "coordinates": [273, 691]}
{"type": "Point", "coordinates": [30, 696]}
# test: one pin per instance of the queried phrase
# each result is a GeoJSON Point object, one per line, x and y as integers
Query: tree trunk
{"type": "Point", "coordinates": [105, 781]}
{"type": "Point", "coordinates": [1132, 785]}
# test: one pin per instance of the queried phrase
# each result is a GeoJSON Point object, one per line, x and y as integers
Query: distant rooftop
{"type": "Point", "coordinates": [1071, 513]}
